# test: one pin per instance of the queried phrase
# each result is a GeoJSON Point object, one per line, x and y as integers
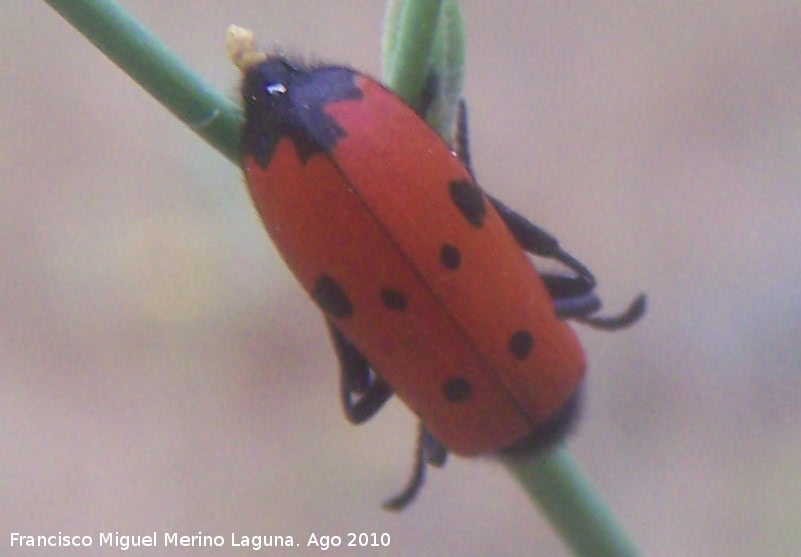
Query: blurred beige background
{"type": "Point", "coordinates": [160, 369]}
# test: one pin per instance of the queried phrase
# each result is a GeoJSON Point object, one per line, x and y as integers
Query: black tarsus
{"type": "Point", "coordinates": [628, 317]}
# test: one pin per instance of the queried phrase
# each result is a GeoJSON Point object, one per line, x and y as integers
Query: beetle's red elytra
{"type": "Point", "coordinates": [424, 280]}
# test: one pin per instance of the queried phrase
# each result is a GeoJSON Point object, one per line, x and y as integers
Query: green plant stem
{"type": "Point", "coordinates": [423, 55]}
{"type": "Point", "coordinates": [558, 486]}
{"type": "Point", "coordinates": [409, 34]}
{"type": "Point", "coordinates": [155, 67]}
{"type": "Point", "coordinates": [553, 481]}
{"type": "Point", "coordinates": [447, 65]}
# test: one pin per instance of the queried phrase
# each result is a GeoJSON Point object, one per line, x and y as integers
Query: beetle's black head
{"type": "Point", "coordinates": [269, 110]}
{"type": "Point", "coordinates": [285, 99]}
{"type": "Point", "coordinates": [265, 87]}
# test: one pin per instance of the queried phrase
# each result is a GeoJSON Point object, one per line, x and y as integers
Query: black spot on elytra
{"type": "Point", "coordinates": [330, 296]}
{"type": "Point", "coordinates": [449, 256]}
{"type": "Point", "coordinates": [520, 344]}
{"type": "Point", "coordinates": [469, 200]}
{"type": "Point", "coordinates": [457, 389]}
{"type": "Point", "coordinates": [282, 99]}
{"type": "Point", "coordinates": [393, 299]}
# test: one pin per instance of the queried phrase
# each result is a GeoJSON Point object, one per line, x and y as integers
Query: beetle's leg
{"type": "Point", "coordinates": [536, 241]}
{"type": "Point", "coordinates": [574, 307]}
{"type": "Point", "coordinates": [462, 140]}
{"type": "Point", "coordinates": [570, 302]}
{"type": "Point", "coordinates": [565, 287]}
{"type": "Point", "coordinates": [631, 315]}
{"type": "Point", "coordinates": [572, 295]}
{"type": "Point", "coordinates": [429, 452]}
{"type": "Point", "coordinates": [531, 238]}
{"type": "Point", "coordinates": [357, 379]}
{"type": "Point", "coordinates": [428, 94]}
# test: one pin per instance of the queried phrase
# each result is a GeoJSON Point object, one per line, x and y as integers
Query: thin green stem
{"type": "Point", "coordinates": [560, 488]}
{"type": "Point", "coordinates": [447, 66]}
{"type": "Point", "coordinates": [155, 67]}
{"type": "Point", "coordinates": [423, 56]}
{"type": "Point", "coordinates": [409, 33]}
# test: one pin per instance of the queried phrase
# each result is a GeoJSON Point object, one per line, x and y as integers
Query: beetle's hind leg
{"type": "Point", "coordinates": [572, 300]}
{"type": "Point", "coordinates": [363, 392]}
{"type": "Point", "coordinates": [429, 452]}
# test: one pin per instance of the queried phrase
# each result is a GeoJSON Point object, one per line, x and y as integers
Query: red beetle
{"type": "Point", "coordinates": [423, 278]}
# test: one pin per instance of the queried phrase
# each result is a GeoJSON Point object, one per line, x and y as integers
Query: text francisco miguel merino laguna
{"type": "Point", "coordinates": [167, 539]}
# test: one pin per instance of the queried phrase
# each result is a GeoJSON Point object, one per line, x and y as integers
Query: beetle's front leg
{"type": "Point", "coordinates": [363, 392]}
